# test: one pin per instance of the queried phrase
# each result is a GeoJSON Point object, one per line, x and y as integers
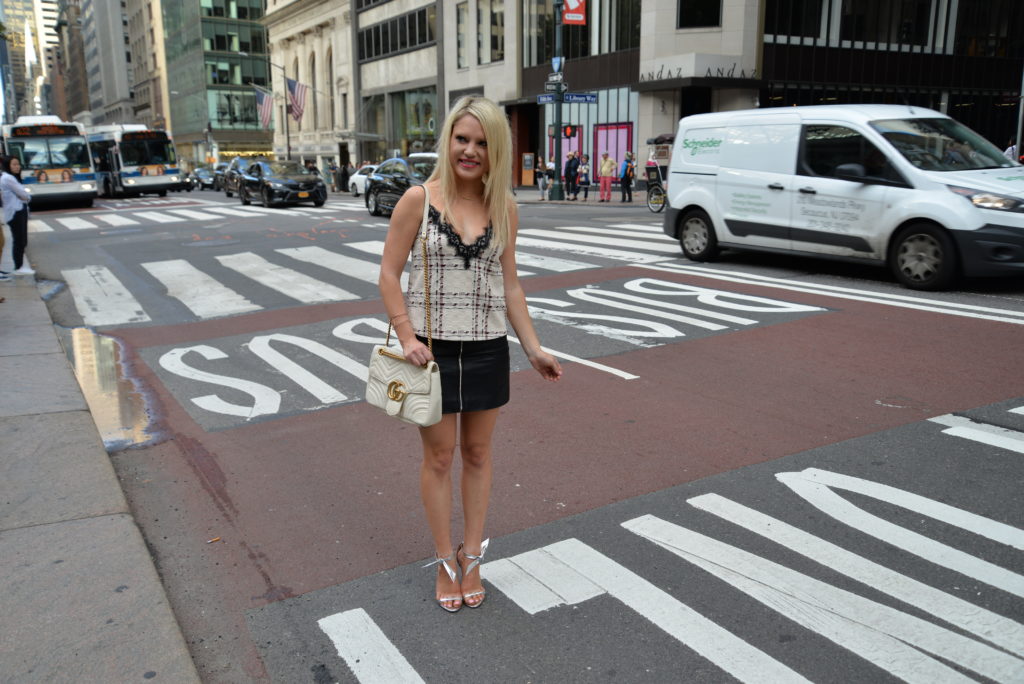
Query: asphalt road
{"type": "Point", "coordinates": [698, 398]}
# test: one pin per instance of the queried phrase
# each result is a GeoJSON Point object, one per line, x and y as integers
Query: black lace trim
{"type": "Point", "coordinates": [467, 252]}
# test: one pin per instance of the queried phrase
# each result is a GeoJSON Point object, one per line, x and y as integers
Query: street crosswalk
{"type": "Point", "coordinates": [212, 285]}
{"type": "Point", "coordinates": [906, 620]}
{"type": "Point", "coordinates": [198, 212]}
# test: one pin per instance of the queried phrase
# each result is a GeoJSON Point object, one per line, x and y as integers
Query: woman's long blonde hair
{"type": "Point", "coordinates": [498, 181]}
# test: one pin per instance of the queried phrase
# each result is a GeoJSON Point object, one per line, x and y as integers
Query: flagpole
{"type": "Point", "coordinates": [287, 112]}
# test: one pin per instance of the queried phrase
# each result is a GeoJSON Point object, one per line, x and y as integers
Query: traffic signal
{"type": "Point", "coordinates": [569, 131]}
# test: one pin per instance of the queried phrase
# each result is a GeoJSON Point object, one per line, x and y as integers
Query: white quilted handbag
{"type": "Point", "coordinates": [407, 392]}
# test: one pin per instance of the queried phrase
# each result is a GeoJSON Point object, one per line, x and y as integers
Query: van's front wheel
{"type": "Point", "coordinates": [923, 257]}
{"type": "Point", "coordinates": [697, 236]}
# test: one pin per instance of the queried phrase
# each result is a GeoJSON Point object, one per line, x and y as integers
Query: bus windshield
{"type": "Point", "coordinates": [49, 153]}
{"type": "Point", "coordinates": [941, 145]}
{"type": "Point", "coordinates": [139, 152]}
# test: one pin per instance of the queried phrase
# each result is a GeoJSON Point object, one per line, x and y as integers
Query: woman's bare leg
{"type": "Point", "coordinates": [476, 431]}
{"type": "Point", "coordinates": [436, 492]}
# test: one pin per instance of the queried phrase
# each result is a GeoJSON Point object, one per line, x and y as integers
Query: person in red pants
{"type": "Point", "coordinates": [605, 172]}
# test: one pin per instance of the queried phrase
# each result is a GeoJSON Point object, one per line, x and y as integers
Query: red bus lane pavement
{"type": "Point", "coordinates": [315, 499]}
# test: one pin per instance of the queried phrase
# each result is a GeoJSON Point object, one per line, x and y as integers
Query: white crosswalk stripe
{"type": "Point", "coordinates": [296, 285]}
{"type": "Point", "coordinates": [101, 298]}
{"type": "Point", "coordinates": [72, 223]}
{"type": "Point", "coordinates": [550, 263]}
{"type": "Point", "coordinates": [375, 247]}
{"type": "Point", "coordinates": [159, 217]}
{"type": "Point", "coordinates": [195, 215]}
{"type": "Point", "coordinates": [595, 236]}
{"type": "Point", "coordinates": [231, 211]}
{"type": "Point", "coordinates": [360, 269]}
{"type": "Point", "coordinates": [588, 250]}
{"type": "Point", "coordinates": [116, 219]}
{"type": "Point", "coordinates": [639, 227]}
{"type": "Point", "coordinates": [201, 293]}
{"type": "Point", "coordinates": [37, 226]}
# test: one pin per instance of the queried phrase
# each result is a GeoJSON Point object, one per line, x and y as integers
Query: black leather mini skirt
{"type": "Point", "coordinates": [474, 374]}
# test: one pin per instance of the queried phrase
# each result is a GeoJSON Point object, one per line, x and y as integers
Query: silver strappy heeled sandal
{"type": "Point", "coordinates": [475, 561]}
{"type": "Point", "coordinates": [443, 562]}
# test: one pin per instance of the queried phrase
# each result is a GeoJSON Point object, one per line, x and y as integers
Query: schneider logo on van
{"type": "Point", "coordinates": [705, 146]}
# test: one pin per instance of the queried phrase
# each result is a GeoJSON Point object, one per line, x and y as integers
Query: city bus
{"type": "Point", "coordinates": [55, 162]}
{"type": "Point", "coordinates": [131, 159]}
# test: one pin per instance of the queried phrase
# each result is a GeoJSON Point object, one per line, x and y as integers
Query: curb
{"type": "Point", "coordinates": [82, 598]}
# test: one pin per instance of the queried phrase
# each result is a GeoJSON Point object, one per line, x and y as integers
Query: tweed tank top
{"type": "Point", "coordinates": [467, 291]}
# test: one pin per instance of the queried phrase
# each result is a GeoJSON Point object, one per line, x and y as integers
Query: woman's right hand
{"type": "Point", "coordinates": [416, 353]}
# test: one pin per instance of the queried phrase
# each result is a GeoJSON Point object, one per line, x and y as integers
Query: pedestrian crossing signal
{"type": "Point", "coordinates": [569, 131]}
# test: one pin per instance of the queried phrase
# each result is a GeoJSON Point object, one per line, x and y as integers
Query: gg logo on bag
{"type": "Point", "coordinates": [395, 391]}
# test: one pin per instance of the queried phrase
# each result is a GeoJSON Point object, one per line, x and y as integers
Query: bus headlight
{"type": "Point", "coordinates": [174, 179]}
{"type": "Point", "coordinates": [130, 181]}
{"type": "Point", "coordinates": [88, 186]}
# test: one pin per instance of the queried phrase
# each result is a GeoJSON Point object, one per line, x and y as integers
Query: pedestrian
{"type": "Point", "coordinates": [626, 173]}
{"type": "Point", "coordinates": [344, 175]}
{"type": "Point", "coordinates": [1011, 151]}
{"type": "Point", "coordinates": [542, 178]}
{"type": "Point", "coordinates": [471, 237]}
{"type": "Point", "coordinates": [332, 170]}
{"type": "Point", "coordinates": [572, 169]}
{"type": "Point", "coordinates": [605, 173]}
{"type": "Point", "coordinates": [549, 173]}
{"type": "Point", "coordinates": [15, 200]}
{"type": "Point", "coordinates": [583, 181]}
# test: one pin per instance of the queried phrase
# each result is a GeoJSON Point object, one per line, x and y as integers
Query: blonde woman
{"type": "Point", "coordinates": [474, 289]}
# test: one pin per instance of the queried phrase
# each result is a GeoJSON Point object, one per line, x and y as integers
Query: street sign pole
{"type": "Point", "coordinates": [556, 184]}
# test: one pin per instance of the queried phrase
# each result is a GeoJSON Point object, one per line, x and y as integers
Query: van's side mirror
{"type": "Point", "coordinates": [854, 172]}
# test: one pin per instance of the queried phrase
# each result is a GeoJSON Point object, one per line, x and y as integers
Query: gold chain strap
{"type": "Point", "coordinates": [426, 281]}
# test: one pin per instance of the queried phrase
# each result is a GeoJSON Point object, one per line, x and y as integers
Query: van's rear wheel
{"type": "Point", "coordinates": [697, 236]}
{"type": "Point", "coordinates": [923, 257]}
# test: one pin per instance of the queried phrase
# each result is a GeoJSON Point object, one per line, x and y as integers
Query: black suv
{"type": "Point", "coordinates": [280, 182]}
{"type": "Point", "coordinates": [218, 175]}
{"type": "Point", "coordinates": [234, 173]}
{"type": "Point", "coordinates": [388, 183]}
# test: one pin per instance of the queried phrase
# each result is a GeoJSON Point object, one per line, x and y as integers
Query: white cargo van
{"type": "Point", "coordinates": [897, 185]}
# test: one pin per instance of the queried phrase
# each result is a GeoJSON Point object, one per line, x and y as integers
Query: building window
{"type": "Point", "coordinates": [699, 13]}
{"type": "Point", "coordinates": [403, 33]}
{"type": "Point", "coordinates": [461, 41]}
{"type": "Point", "coordinates": [898, 22]}
{"type": "Point", "coordinates": [332, 121]}
{"type": "Point", "coordinates": [490, 19]}
{"type": "Point", "coordinates": [312, 91]}
{"type": "Point", "coordinates": [801, 18]}
{"type": "Point", "coordinates": [611, 27]}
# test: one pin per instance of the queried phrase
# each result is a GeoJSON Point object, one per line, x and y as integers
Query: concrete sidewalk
{"type": "Point", "coordinates": [79, 594]}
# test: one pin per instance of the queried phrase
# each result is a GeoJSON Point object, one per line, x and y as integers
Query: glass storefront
{"type": "Point", "coordinates": [406, 120]}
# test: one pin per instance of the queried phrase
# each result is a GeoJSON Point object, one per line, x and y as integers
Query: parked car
{"type": "Point", "coordinates": [234, 173]}
{"type": "Point", "coordinates": [203, 178]}
{"type": "Point", "coordinates": [280, 182]}
{"type": "Point", "coordinates": [393, 177]}
{"type": "Point", "coordinates": [218, 175]}
{"type": "Point", "coordinates": [357, 183]}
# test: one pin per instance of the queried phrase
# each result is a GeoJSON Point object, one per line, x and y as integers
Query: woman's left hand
{"type": "Point", "coordinates": [547, 365]}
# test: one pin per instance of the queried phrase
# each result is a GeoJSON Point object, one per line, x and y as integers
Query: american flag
{"type": "Point", "coordinates": [297, 96]}
{"type": "Point", "coordinates": [264, 106]}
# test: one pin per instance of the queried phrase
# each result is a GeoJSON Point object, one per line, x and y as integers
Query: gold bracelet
{"type": "Point", "coordinates": [397, 317]}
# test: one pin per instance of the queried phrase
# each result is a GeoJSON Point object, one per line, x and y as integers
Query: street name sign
{"type": "Point", "coordinates": [580, 97]}
{"type": "Point", "coordinates": [545, 99]}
